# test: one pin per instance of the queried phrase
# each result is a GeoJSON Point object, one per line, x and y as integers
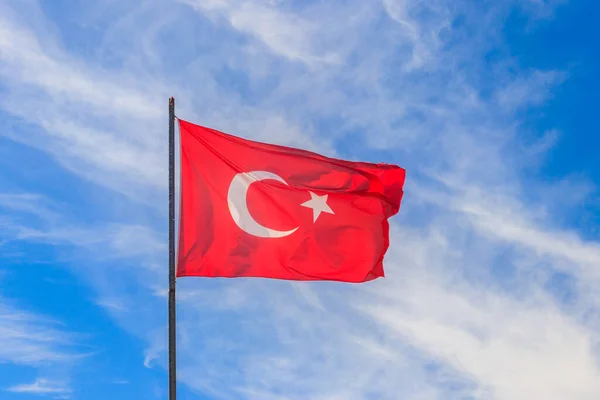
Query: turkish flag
{"type": "Point", "coordinates": [251, 209]}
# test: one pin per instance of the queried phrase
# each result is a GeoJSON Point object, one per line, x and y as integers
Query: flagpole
{"type": "Point", "coordinates": [172, 319]}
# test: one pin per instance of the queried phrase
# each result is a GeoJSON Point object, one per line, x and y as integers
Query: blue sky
{"type": "Point", "coordinates": [494, 266]}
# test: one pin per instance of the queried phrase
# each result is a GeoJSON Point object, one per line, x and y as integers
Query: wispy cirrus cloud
{"type": "Point", "coordinates": [131, 251]}
{"type": "Point", "coordinates": [35, 218]}
{"type": "Point", "coordinates": [33, 340]}
{"type": "Point", "coordinates": [283, 32]}
{"type": "Point", "coordinates": [30, 339]}
{"type": "Point", "coordinates": [42, 386]}
{"type": "Point", "coordinates": [450, 307]}
{"type": "Point", "coordinates": [95, 120]}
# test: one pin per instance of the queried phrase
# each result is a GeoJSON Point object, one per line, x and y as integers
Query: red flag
{"type": "Point", "coordinates": [251, 209]}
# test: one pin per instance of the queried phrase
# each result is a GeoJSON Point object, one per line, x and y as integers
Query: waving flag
{"type": "Point", "coordinates": [251, 209]}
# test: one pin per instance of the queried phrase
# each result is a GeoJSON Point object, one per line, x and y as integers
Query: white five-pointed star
{"type": "Point", "coordinates": [318, 205]}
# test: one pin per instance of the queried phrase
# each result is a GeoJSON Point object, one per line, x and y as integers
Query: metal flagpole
{"type": "Point", "coordinates": [172, 319]}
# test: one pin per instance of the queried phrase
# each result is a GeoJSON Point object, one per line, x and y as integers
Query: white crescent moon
{"type": "Point", "coordinates": [238, 205]}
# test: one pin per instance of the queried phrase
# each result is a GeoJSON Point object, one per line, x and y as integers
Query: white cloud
{"type": "Point", "coordinates": [105, 124]}
{"type": "Point", "coordinates": [30, 339]}
{"type": "Point", "coordinates": [423, 23]}
{"type": "Point", "coordinates": [42, 386]}
{"type": "Point", "coordinates": [28, 61]}
{"type": "Point", "coordinates": [284, 33]}
{"type": "Point", "coordinates": [528, 90]}
{"type": "Point", "coordinates": [505, 225]}
{"type": "Point", "coordinates": [51, 225]}
{"type": "Point", "coordinates": [509, 347]}
{"type": "Point", "coordinates": [541, 8]}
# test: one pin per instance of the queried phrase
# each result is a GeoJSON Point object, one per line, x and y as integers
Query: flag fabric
{"type": "Point", "coordinates": [251, 209]}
